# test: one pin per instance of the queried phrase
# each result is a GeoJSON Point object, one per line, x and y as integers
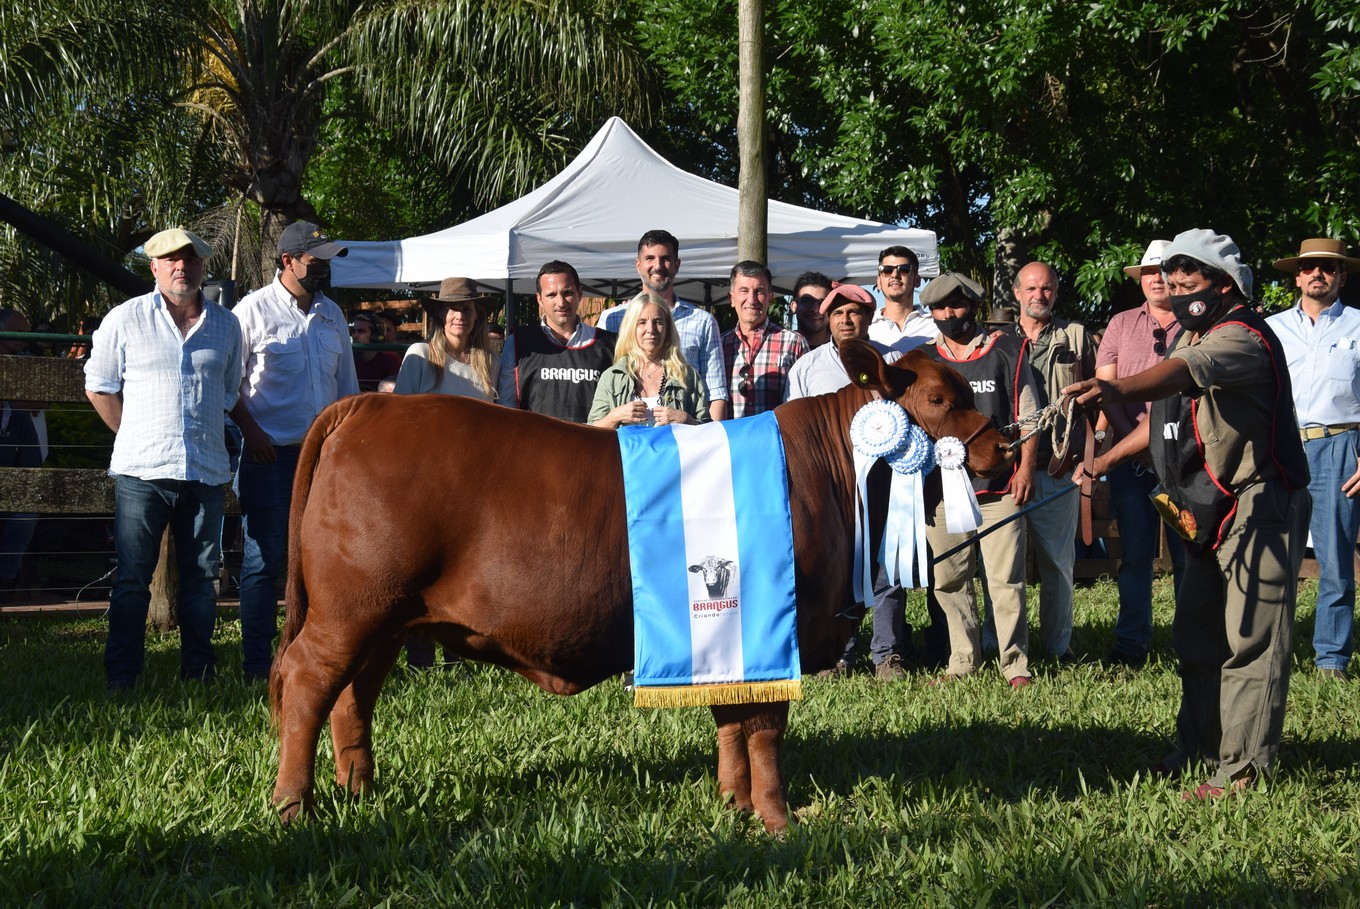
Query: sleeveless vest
{"type": "Point", "coordinates": [1201, 506]}
{"type": "Point", "coordinates": [993, 372]}
{"type": "Point", "coordinates": [559, 381]}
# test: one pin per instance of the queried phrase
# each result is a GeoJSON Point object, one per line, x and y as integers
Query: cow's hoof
{"type": "Point", "coordinates": [776, 824]}
{"type": "Point", "coordinates": [290, 808]}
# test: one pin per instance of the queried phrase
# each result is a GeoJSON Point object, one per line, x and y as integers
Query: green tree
{"type": "Point", "coordinates": [495, 93]}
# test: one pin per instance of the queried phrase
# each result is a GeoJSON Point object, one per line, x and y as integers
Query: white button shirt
{"type": "Point", "coordinates": [1324, 363]}
{"type": "Point", "coordinates": [294, 364]}
{"type": "Point", "coordinates": [886, 331]}
{"type": "Point", "coordinates": [176, 389]}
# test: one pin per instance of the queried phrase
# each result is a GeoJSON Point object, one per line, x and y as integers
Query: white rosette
{"type": "Point", "coordinates": [904, 556]}
{"type": "Point", "coordinates": [880, 428]}
{"type": "Point", "coordinates": [961, 511]}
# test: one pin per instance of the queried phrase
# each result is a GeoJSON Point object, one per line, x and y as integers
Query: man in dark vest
{"type": "Point", "coordinates": [1225, 446]}
{"type": "Point", "coordinates": [1003, 388]}
{"type": "Point", "coordinates": [554, 366]}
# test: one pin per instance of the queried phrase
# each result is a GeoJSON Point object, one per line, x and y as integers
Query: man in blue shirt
{"type": "Point", "coordinates": [164, 369]}
{"type": "Point", "coordinates": [1321, 340]}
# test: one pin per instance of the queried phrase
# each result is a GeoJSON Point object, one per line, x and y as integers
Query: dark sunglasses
{"type": "Point", "coordinates": [808, 301]}
{"type": "Point", "coordinates": [1325, 266]}
{"type": "Point", "coordinates": [744, 387]}
{"type": "Point", "coordinates": [896, 269]}
{"type": "Point", "coordinates": [1159, 341]}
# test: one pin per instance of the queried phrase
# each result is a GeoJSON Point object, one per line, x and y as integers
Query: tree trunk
{"type": "Point", "coordinates": [753, 220]}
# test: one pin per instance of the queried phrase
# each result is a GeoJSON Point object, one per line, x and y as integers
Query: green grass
{"type": "Point", "coordinates": [493, 793]}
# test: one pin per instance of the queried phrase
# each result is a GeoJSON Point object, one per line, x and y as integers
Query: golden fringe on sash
{"type": "Point", "coordinates": [716, 695]}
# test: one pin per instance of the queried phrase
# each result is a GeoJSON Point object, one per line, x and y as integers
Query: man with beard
{"type": "Point", "coordinates": [899, 272]}
{"type": "Point", "coordinates": [1234, 483]}
{"type": "Point", "coordinates": [1135, 340]}
{"type": "Point", "coordinates": [1059, 354]}
{"type": "Point", "coordinates": [658, 262]}
{"type": "Point", "coordinates": [297, 360]}
{"type": "Point", "coordinates": [1321, 340]}
{"type": "Point", "coordinates": [809, 290]}
{"type": "Point", "coordinates": [999, 373]}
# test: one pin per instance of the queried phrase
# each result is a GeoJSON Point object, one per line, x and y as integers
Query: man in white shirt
{"type": "Point", "coordinates": [658, 262]}
{"type": "Point", "coordinates": [164, 369]}
{"type": "Point", "coordinates": [297, 360]}
{"type": "Point", "coordinates": [899, 273]}
{"type": "Point", "coordinates": [1321, 341]}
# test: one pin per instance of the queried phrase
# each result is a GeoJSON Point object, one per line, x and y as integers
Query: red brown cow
{"type": "Point", "coordinates": [455, 565]}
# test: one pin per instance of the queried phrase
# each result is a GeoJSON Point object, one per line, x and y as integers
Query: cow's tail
{"type": "Point", "coordinates": [295, 614]}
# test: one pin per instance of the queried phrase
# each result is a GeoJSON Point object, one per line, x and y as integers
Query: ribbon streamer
{"type": "Point", "coordinates": [863, 577]}
{"type": "Point", "coordinates": [961, 512]}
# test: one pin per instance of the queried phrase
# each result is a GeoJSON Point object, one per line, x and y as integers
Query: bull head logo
{"type": "Point", "coordinates": [717, 575]}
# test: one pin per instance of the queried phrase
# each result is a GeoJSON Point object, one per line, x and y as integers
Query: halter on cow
{"type": "Point", "coordinates": [456, 566]}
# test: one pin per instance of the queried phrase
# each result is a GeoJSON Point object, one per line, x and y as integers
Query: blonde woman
{"type": "Point", "coordinates": [456, 360]}
{"type": "Point", "coordinates": [650, 384]}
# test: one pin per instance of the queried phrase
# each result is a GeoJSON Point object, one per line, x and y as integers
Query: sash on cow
{"type": "Point", "coordinates": [710, 546]}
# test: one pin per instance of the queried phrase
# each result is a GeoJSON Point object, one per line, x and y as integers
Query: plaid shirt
{"type": "Point", "coordinates": [756, 380]}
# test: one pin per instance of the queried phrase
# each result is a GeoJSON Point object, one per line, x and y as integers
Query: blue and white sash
{"type": "Point", "coordinates": [710, 547]}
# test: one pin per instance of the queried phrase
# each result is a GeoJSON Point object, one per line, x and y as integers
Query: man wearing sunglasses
{"type": "Point", "coordinates": [899, 272]}
{"type": "Point", "coordinates": [1135, 340]}
{"type": "Point", "coordinates": [809, 291]}
{"type": "Point", "coordinates": [1321, 339]}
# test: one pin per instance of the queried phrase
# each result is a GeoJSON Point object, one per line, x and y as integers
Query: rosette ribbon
{"type": "Point", "coordinates": [961, 513]}
{"type": "Point", "coordinates": [904, 555]}
{"type": "Point", "coordinates": [880, 428]}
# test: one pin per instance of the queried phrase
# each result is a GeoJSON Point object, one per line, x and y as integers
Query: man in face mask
{"type": "Point", "coordinates": [297, 360]}
{"type": "Point", "coordinates": [1225, 445]}
{"type": "Point", "coordinates": [998, 371]}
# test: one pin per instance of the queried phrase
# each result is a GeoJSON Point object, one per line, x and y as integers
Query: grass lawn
{"type": "Point", "coordinates": [493, 793]}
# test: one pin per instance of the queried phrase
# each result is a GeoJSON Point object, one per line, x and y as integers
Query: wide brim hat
{"type": "Point", "coordinates": [1152, 258]}
{"type": "Point", "coordinates": [1318, 248]}
{"type": "Point", "coordinates": [458, 290]}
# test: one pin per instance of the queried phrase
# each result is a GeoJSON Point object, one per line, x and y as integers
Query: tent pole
{"type": "Point", "coordinates": [509, 306]}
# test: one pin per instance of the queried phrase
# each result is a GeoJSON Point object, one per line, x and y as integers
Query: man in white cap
{"type": "Point", "coordinates": [1135, 340]}
{"type": "Point", "coordinates": [164, 369]}
{"type": "Point", "coordinates": [1321, 338]}
{"type": "Point", "coordinates": [1234, 484]}
{"type": "Point", "coordinates": [847, 310]}
{"type": "Point", "coordinates": [297, 360]}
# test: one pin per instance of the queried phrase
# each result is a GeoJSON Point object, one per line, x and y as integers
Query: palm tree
{"type": "Point", "coordinates": [498, 92]}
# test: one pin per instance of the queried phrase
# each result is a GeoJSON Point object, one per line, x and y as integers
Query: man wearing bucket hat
{"type": "Point", "coordinates": [298, 360]}
{"type": "Point", "coordinates": [1234, 484]}
{"type": "Point", "coordinates": [1134, 340]}
{"type": "Point", "coordinates": [164, 369]}
{"type": "Point", "coordinates": [1321, 338]}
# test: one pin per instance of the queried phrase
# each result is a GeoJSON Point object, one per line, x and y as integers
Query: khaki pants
{"type": "Point", "coordinates": [1233, 633]}
{"type": "Point", "coordinates": [1003, 556]}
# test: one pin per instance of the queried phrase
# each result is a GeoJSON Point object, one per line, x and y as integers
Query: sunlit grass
{"type": "Point", "coordinates": [494, 793]}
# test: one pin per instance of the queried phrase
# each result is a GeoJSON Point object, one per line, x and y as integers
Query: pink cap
{"type": "Point", "coordinates": [851, 292]}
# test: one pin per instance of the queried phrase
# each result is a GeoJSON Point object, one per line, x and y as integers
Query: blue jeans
{"type": "Point", "coordinates": [143, 509]}
{"type": "Point", "coordinates": [1334, 526]}
{"type": "Point", "coordinates": [265, 492]}
{"type": "Point", "coordinates": [889, 623]}
{"type": "Point", "coordinates": [1139, 529]}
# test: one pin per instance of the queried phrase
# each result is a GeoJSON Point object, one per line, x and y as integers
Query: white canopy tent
{"type": "Point", "coordinates": [592, 214]}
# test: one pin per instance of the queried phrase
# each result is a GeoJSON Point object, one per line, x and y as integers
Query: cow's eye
{"type": "Point", "coordinates": [937, 400]}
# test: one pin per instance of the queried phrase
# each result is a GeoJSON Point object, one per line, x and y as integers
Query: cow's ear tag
{"type": "Point", "coordinates": [864, 378]}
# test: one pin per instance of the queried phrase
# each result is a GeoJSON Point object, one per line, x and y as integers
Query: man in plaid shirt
{"type": "Point", "coordinates": [757, 354]}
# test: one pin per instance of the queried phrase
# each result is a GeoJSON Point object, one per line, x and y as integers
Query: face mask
{"type": "Point", "coordinates": [318, 277]}
{"type": "Point", "coordinates": [1195, 311]}
{"type": "Point", "coordinates": [957, 328]}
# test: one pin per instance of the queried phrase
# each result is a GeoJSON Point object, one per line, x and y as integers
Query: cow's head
{"type": "Point", "coordinates": [937, 397]}
{"type": "Point", "coordinates": [717, 575]}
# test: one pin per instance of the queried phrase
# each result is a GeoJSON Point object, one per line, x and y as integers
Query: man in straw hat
{"type": "Point", "coordinates": [298, 360]}
{"type": "Point", "coordinates": [164, 369]}
{"type": "Point", "coordinates": [1134, 340]}
{"type": "Point", "coordinates": [1234, 483]}
{"type": "Point", "coordinates": [1321, 339]}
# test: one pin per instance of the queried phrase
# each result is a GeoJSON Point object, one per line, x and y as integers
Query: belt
{"type": "Point", "coordinates": [1309, 433]}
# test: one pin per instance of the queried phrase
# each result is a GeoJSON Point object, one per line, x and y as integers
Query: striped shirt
{"type": "Point", "coordinates": [700, 342]}
{"type": "Point", "coordinates": [176, 389]}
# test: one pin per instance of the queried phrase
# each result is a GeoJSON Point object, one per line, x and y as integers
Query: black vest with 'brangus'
{"type": "Point", "coordinates": [560, 381]}
{"type": "Point", "coordinates": [993, 372]}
